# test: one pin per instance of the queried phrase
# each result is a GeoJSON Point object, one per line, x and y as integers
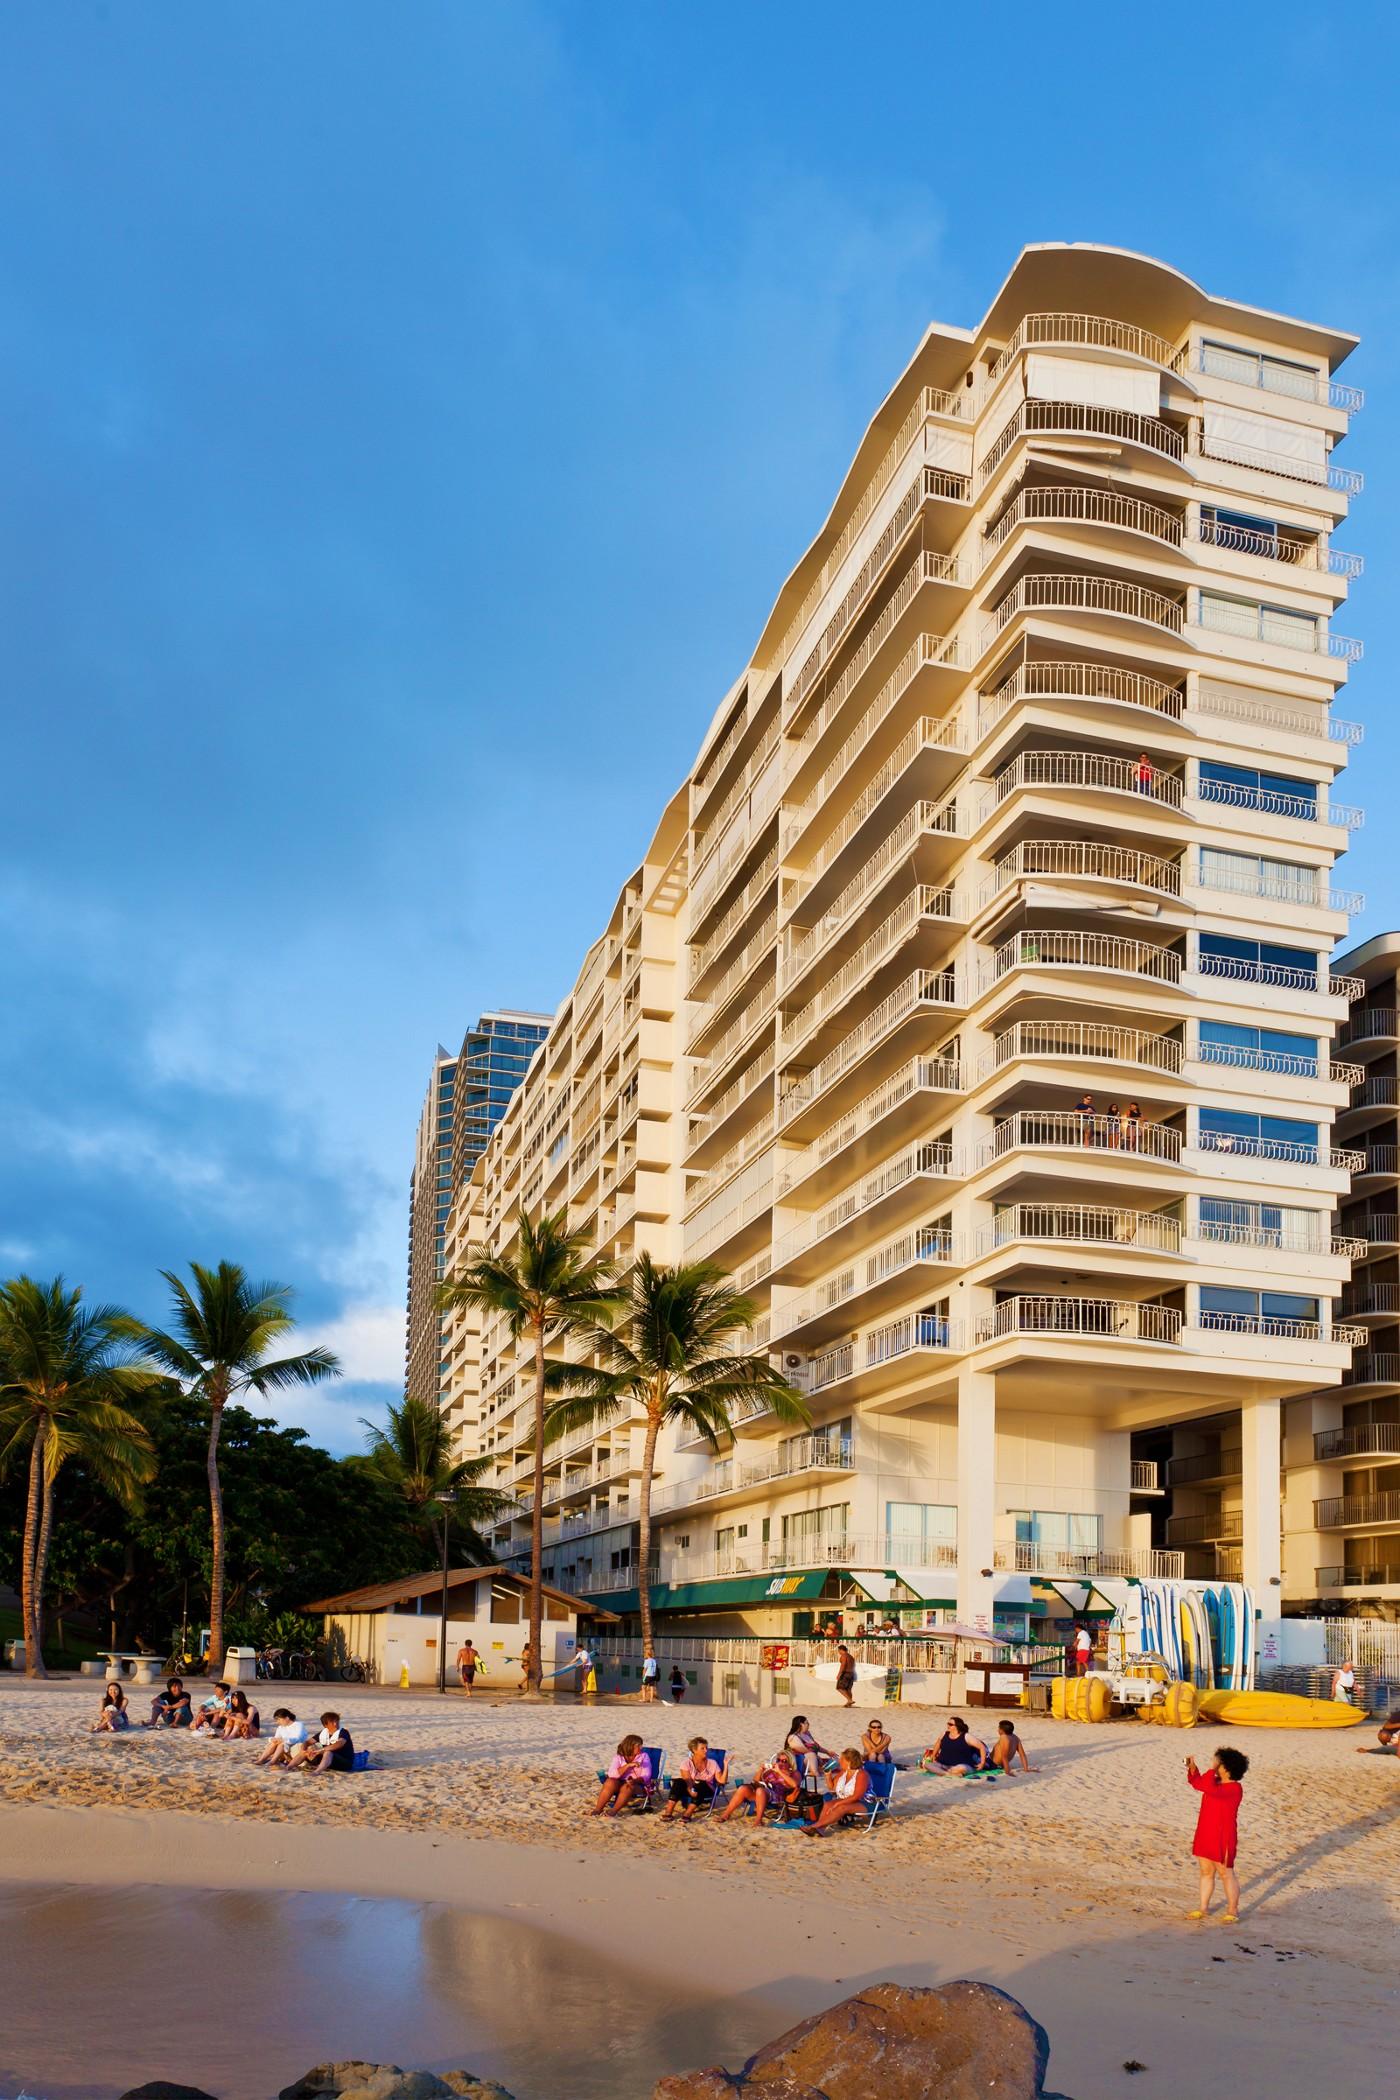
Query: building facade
{"type": "Point", "coordinates": [466, 1098]}
{"type": "Point", "coordinates": [973, 1005]}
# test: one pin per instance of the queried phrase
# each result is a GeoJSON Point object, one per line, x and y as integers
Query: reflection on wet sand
{"type": "Point", "coordinates": [241, 1992]}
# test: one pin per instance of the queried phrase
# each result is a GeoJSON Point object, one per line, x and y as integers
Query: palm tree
{"type": "Point", "coordinates": [413, 1456]}
{"type": "Point", "coordinates": [552, 1286]}
{"type": "Point", "coordinates": [221, 1333]}
{"type": "Point", "coordinates": [67, 1373]}
{"type": "Point", "coordinates": [675, 1355]}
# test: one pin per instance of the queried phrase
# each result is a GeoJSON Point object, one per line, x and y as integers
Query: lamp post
{"type": "Point", "coordinates": [445, 1503]}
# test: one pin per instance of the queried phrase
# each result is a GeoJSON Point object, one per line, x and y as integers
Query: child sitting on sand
{"type": "Point", "coordinates": [627, 1776]}
{"type": "Point", "coordinates": [1217, 1828]}
{"type": "Point", "coordinates": [213, 1714]}
{"type": "Point", "coordinates": [287, 1737]}
{"type": "Point", "coordinates": [1006, 1749]}
{"type": "Point", "coordinates": [113, 1716]}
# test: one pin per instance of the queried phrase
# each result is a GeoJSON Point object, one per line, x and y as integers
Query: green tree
{"type": "Point", "coordinates": [218, 1344]}
{"type": "Point", "coordinates": [67, 1375]}
{"type": "Point", "coordinates": [551, 1287]}
{"type": "Point", "coordinates": [412, 1455]}
{"type": "Point", "coordinates": [675, 1355]}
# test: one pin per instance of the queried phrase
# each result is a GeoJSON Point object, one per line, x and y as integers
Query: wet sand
{"type": "Point", "coordinates": [1068, 1887]}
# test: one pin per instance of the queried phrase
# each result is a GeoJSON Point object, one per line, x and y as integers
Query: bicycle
{"type": "Point", "coordinates": [354, 1670]}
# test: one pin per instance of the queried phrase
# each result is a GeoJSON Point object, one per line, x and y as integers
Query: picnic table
{"type": "Point", "coordinates": [145, 1668]}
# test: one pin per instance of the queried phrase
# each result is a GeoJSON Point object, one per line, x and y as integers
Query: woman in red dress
{"type": "Point", "coordinates": [1217, 1828]}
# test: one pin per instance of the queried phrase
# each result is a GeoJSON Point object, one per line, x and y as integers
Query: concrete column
{"type": "Point", "coordinates": [1260, 1430]}
{"type": "Point", "coordinates": [977, 1425]}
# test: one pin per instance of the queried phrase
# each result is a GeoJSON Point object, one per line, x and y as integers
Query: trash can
{"type": "Point", "coordinates": [241, 1666]}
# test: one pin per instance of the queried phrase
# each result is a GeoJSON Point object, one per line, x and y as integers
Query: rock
{"type": "Point", "coordinates": [162, 2089]}
{"type": "Point", "coordinates": [360, 2081]}
{"type": "Point", "coordinates": [963, 2041]}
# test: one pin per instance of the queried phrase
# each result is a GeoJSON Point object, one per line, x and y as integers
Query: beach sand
{"type": "Point", "coordinates": [1068, 1887]}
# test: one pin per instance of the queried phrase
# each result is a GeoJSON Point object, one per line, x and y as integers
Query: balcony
{"type": "Point", "coordinates": [1064, 1130]}
{"type": "Point", "coordinates": [1073, 1042]}
{"type": "Point", "coordinates": [923, 906]}
{"type": "Point", "coordinates": [1294, 552]}
{"type": "Point", "coordinates": [1376, 1228]}
{"type": "Point", "coordinates": [1342, 1512]}
{"type": "Point", "coordinates": [1283, 976]}
{"type": "Point", "coordinates": [1261, 623]}
{"type": "Point", "coordinates": [1094, 772]}
{"type": "Point", "coordinates": [1090, 331]}
{"type": "Point", "coordinates": [1371, 1301]}
{"type": "Point", "coordinates": [925, 569]}
{"type": "Point", "coordinates": [1221, 1529]}
{"type": "Point", "coordinates": [904, 1177]}
{"type": "Point", "coordinates": [1345, 481]}
{"type": "Point", "coordinates": [1313, 723]}
{"type": "Point", "coordinates": [734, 1478]}
{"type": "Point", "coordinates": [925, 992]}
{"type": "Point", "coordinates": [925, 737]}
{"type": "Point", "coordinates": [1204, 1468]}
{"type": "Point", "coordinates": [1363, 1440]}
{"type": "Point", "coordinates": [1093, 954]}
{"type": "Point", "coordinates": [1308, 888]}
{"type": "Point", "coordinates": [1146, 1477]}
{"type": "Point", "coordinates": [1100, 595]}
{"type": "Point", "coordinates": [1083, 860]}
{"type": "Point", "coordinates": [1089, 1319]}
{"type": "Point", "coordinates": [1044, 679]}
{"type": "Point", "coordinates": [1287, 1064]}
{"type": "Point", "coordinates": [1376, 1025]}
{"type": "Point", "coordinates": [1247, 368]}
{"type": "Point", "coordinates": [1277, 1329]}
{"type": "Point", "coordinates": [1080, 419]}
{"type": "Point", "coordinates": [915, 1334]}
{"type": "Point", "coordinates": [1029, 1557]}
{"type": "Point", "coordinates": [885, 1272]}
{"type": "Point", "coordinates": [1370, 1575]}
{"type": "Point", "coordinates": [749, 1414]}
{"type": "Point", "coordinates": [1379, 1367]}
{"type": "Point", "coordinates": [704, 954]}
{"type": "Point", "coordinates": [1281, 1150]}
{"type": "Point", "coordinates": [1302, 809]}
{"type": "Point", "coordinates": [922, 1077]}
{"type": "Point", "coordinates": [1082, 506]}
{"type": "Point", "coordinates": [1213, 1232]}
{"type": "Point", "coordinates": [1078, 1224]}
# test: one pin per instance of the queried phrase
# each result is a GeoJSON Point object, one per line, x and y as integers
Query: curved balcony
{"type": "Point", "coordinates": [1080, 419]}
{"type": "Point", "coordinates": [1093, 954]}
{"type": "Point", "coordinates": [1371, 1301]}
{"type": "Point", "coordinates": [1094, 772]}
{"type": "Point", "coordinates": [1083, 1225]}
{"type": "Point", "coordinates": [1082, 331]}
{"type": "Point", "coordinates": [1093, 1319]}
{"type": "Point", "coordinates": [1083, 860]}
{"type": "Point", "coordinates": [1082, 506]}
{"type": "Point", "coordinates": [1063, 1130]}
{"type": "Point", "coordinates": [1376, 1026]}
{"type": "Point", "coordinates": [1378, 1367]}
{"type": "Point", "coordinates": [1045, 678]}
{"type": "Point", "coordinates": [1372, 1102]}
{"type": "Point", "coordinates": [1380, 1440]}
{"type": "Point", "coordinates": [1342, 1512]}
{"type": "Point", "coordinates": [1079, 593]}
{"type": "Point", "coordinates": [1075, 1042]}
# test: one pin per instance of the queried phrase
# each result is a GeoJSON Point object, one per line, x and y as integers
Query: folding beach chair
{"type": "Point", "coordinates": [882, 1778]}
{"type": "Point", "coordinates": [722, 1760]}
{"type": "Point", "coordinates": [652, 1788]}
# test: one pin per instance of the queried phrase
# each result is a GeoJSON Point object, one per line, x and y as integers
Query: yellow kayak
{"type": "Point", "coordinates": [1278, 1710]}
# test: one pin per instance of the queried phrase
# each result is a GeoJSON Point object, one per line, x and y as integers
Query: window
{"type": "Point", "coordinates": [1069, 1530]}
{"type": "Point", "coordinates": [1250, 787]}
{"type": "Point", "coordinates": [1257, 1049]}
{"type": "Point", "coordinates": [1253, 622]}
{"type": "Point", "coordinates": [1257, 962]}
{"type": "Point", "coordinates": [505, 1604]}
{"type": "Point", "coordinates": [683, 1541]}
{"type": "Point", "coordinates": [1257, 1136]}
{"type": "Point", "coordinates": [818, 1531]}
{"type": "Point", "coordinates": [1255, 875]}
{"type": "Point", "coordinates": [1262, 1225]}
{"type": "Point", "coordinates": [1255, 1312]}
{"type": "Point", "coordinates": [1276, 375]}
{"type": "Point", "coordinates": [1239, 531]}
{"type": "Point", "coordinates": [916, 1530]}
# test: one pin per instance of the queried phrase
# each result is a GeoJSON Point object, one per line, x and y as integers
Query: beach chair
{"type": "Point", "coordinates": [722, 1760]}
{"type": "Point", "coordinates": [882, 1778]}
{"type": "Point", "coordinates": [649, 1792]}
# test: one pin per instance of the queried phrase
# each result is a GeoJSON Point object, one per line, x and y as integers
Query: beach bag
{"type": "Point", "coordinates": [359, 1761]}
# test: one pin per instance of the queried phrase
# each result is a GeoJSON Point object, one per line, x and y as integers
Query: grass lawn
{"type": "Point", "coordinates": [76, 1648]}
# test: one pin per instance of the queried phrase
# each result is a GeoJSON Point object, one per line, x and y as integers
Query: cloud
{"type": "Point", "coordinates": [368, 1339]}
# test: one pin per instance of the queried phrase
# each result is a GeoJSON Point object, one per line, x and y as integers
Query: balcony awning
{"type": "Point", "coordinates": [919, 1586]}
{"type": "Point", "coordinates": [1080, 1599]}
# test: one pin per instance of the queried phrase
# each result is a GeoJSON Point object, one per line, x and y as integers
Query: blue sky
{"type": "Point", "coordinates": [409, 415]}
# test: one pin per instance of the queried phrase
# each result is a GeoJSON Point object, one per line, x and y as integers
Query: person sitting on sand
{"type": "Point", "coordinates": [112, 1716]}
{"type": "Point", "coordinates": [242, 1723]}
{"type": "Point", "coordinates": [955, 1750]}
{"type": "Point", "coordinates": [875, 1746]}
{"type": "Point", "coordinates": [1005, 1750]}
{"type": "Point", "coordinates": [213, 1714]}
{"type": "Point", "coordinates": [774, 1785]}
{"type": "Point", "coordinates": [1217, 1828]}
{"type": "Point", "coordinates": [1387, 1735]}
{"type": "Point", "coordinates": [628, 1776]}
{"type": "Point", "coordinates": [171, 1708]}
{"type": "Point", "coordinates": [332, 1750]}
{"type": "Point", "coordinates": [847, 1797]}
{"type": "Point", "coordinates": [694, 1784]}
{"type": "Point", "coordinates": [287, 1737]}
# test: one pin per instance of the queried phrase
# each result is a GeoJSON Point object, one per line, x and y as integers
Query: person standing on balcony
{"type": "Point", "coordinates": [1084, 1109]}
{"type": "Point", "coordinates": [1144, 774]}
{"type": "Point", "coordinates": [1128, 1126]}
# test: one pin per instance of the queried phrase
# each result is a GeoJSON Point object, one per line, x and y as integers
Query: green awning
{"type": "Point", "coordinates": [1068, 1592]}
{"type": "Point", "coordinates": [717, 1595]}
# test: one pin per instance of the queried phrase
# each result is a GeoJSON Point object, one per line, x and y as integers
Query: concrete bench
{"type": "Point", "coordinates": [145, 1669]}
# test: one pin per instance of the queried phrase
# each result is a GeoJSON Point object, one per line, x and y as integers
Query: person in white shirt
{"type": "Point", "coordinates": [1083, 1650]}
{"type": "Point", "coordinates": [1344, 1683]}
{"type": "Point", "coordinates": [583, 1664]}
{"type": "Point", "coordinates": [286, 1738]}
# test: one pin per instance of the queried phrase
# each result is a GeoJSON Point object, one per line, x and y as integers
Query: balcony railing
{"type": "Point", "coordinates": [802, 944]}
{"type": "Point", "coordinates": [1072, 1040]}
{"type": "Point", "coordinates": [1046, 679]}
{"type": "Point", "coordinates": [744, 785]}
{"type": "Point", "coordinates": [926, 568]}
{"type": "Point", "coordinates": [704, 953]}
{"type": "Point", "coordinates": [1305, 809]}
{"type": "Point", "coordinates": [1363, 1440]}
{"type": "Point", "coordinates": [1083, 860]}
{"type": "Point", "coordinates": [1269, 545]}
{"type": "Point", "coordinates": [1095, 1319]}
{"type": "Point", "coordinates": [1082, 506]}
{"type": "Point", "coordinates": [1369, 1025]}
{"type": "Point", "coordinates": [1274, 714]}
{"type": "Point", "coordinates": [936, 568]}
{"type": "Point", "coordinates": [941, 1075]}
{"type": "Point", "coordinates": [1044, 949]}
{"type": "Point", "coordinates": [1370, 1298]}
{"type": "Point", "coordinates": [1204, 1530]}
{"type": "Point", "coordinates": [925, 1245]}
{"type": "Point", "coordinates": [1094, 331]}
{"type": "Point", "coordinates": [1063, 1130]}
{"type": "Point", "coordinates": [806, 1454]}
{"type": "Point", "coordinates": [1217, 1232]}
{"type": "Point", "coordinates": [1146, 1476]}
{"type": "Point", "coordinates": [1377, 1228]}
{"type": "Point", "coordinates": [1304, 886]}
{"type": "Point", "coordinates": [1376, 1367]}
{"type": "Point", "coordinates": [1332, 1511]}
{"type": "Point", "coordinates": [1295, 1151]}
{"type": "Point", "coordinates": [1276, 1328]}
{"type": "Point", "coordinates": [1288, 1063]}
{"type": "Point", "coordinates": [703, 1016]}
{"type": "Point", "coordinates": [923, 903]}
{"type": "Point", "coordinates": [1260, 623]}
{"type": "Point", "coordinates": [881, 1345]}
{"type": "Point", "coordinates": [1246, 368]}
{"type": "Point", "coordinates": [1083, 1224]}
{"type": "Point", "coordinates": [927, 734]}
{"type": "Point", "coordinates": [738, 1089]}
{"type": "Point", "coordinates": [1035, 1558]}
{"type": "Point", "coordinates": [1321, 473]}
{"type": "Point", "coordinates": [930, 990]}
{"type": "Point", "coordinates": [1081, 593]}
{"type": "Point", "coordinates": [1204, 1465]}
{"type": "Point", "coordinates": [1364, 1575]}
{"type": "Point", "coordinates": [1285, 975]}
{"type": "Point", "coordinates": [1081, 419]}
{"type": "Point", "coordinates": [1094, 770]}
{"type": "Point", "coordinates": [928, 1157]}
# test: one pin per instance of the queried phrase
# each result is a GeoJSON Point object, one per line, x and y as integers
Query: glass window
{"type": "Point", "coordinates": [912, 1528]}
{"type": "Point", "coordinates": [1074, 1531]}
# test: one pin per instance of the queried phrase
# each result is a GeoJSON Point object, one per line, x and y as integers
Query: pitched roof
{"type": "Point", "coordinates": [380, 1594]}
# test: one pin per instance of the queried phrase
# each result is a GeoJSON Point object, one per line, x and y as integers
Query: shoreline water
{"type": "Point", "coordinates": [1068, 1889]}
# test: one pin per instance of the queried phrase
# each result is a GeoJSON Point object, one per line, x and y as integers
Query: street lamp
{"type": "Point", "coordinates": [445, 1503]}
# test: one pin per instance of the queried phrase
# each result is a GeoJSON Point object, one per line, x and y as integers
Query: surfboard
{"type": "Point", "coordinates": [1215, 1628]}
{"type": "Point", "coordinates": [1228, 1674]}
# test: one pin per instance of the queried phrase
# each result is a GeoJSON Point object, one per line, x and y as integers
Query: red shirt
{"type": "Point", "coordinates": [1217, 1831]}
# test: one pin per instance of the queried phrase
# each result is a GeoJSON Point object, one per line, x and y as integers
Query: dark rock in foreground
{"type": "Point", "coordinates": [162, 2089]}
{"type": "Point", "coordinates": [357, 2081]}
{"type": "Point", "coordinates": [963, 2041]}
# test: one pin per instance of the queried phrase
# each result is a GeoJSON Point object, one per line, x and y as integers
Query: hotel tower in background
{"type": "Point", "coordinates": [973, 1004]}
{"type": "Point", "coordinates": [467, 1096]}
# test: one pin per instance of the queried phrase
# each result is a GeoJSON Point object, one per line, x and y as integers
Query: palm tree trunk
{"type": "Point", "coordinates": [41, 1560]}
{"type": "Point", "coordinates": [535, 1675]}
{"type": "Point", "coordinates": [644, 1528]}
{"type": "Point", "coordinates": [29, 1614]}
{"type": "Point", "coordinates": [217, 1396]}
